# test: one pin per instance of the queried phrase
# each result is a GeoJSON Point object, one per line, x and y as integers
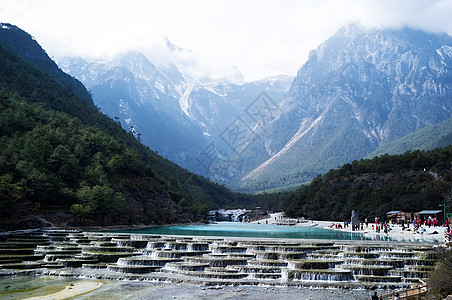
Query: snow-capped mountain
{"type": "Point", "coordinates": [171, 112]}
{"type": "Point", "coordinates": [360, 89]}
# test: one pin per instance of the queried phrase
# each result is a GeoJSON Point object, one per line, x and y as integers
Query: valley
{"type": "Point", "coordinates": [346, 101]}
{"type": "Point", "coordinates": [122, 153]}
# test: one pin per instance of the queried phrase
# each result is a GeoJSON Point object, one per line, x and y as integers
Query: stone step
{"type": "Point", "coordinates": [285, 248]}
{"type": "Point", "coordinates": [54, 257]}
{"type": "Point", "coordinates": [218, 261]}
{"type": "Point", "coordinates": [107, 249]}
{"type": "Point", "coordinates": [176, 253]}
{"type": "Point", "coordinates": [368, 248]}
{"type": "Point", "coordinates": [368, 270]}
{"type": "Point", "coordinates": [155, 245]}
{"type": "Point", "coordinates": [14, 251]}
{"type": "Point", "coordinates": [57, 251]}
{"type": "Point", "coordinates": [268, 263]}
{"type": "Point", "coordinates": [379, 279]}
{"type": "Point", "coordinates": [20, 245]}
{"type": "Point", "coordinates": [107, 256]}
{"type": "Point", "coordinates": [249, 269]}
{"type": "Point", "coordinates": [265, 276]}
{"type": "Point", "coordinates": [80, 241]}
{"type": "Point", "coordinates": [410, 273]}
{"type": "Point", "coordinates": [57, 236]}
{"type": "Point", "coordinates": [98, 238]}
{"type": "Point", "coordinates": [214, 275]}
{"type": "Point", "coordinates": [98, 266]}
{"type": "Point", "coordinates": [399, 254]}
{"type": "Point", "coordinates": [220, 270]}
{"type": "Point", "coordinates": [419, 262]}
{"type": "Point", "coordinates": [130, 243]}
{"type": "Point", "coordinates": [193, 246]}
{"type": "Point", "coordinates": [315, 255]}
{"type": "Point", "coordinates": [271, 243]}
{"type": "Point", "coordinates": [270, 255]}
{"type": "Point", "coordinates": [76, 262]}
{"type": "Point", "coordinates": [146, 261]}
{"type": "Point", "coordinates": [145, 237]}
{"type": "Point", "coordinates": [313, 264]}
{"type": "Point", "coordinates": [133, 269]}
{"type": "Point", "coordinates": [420, 268]}
{"type": "Point", "coordinates": [366, 255]}
{"type": "Point", "coordinates": [176, 245]}
{"type": "Point", "coordinates": [396, 263]}
{"type": "Point", "coordinates": [52, 265]}
{"type": "Point", "coordinates": [21, 266]}
{"type": "Point", "coordinates": [28, 238]}
{"type": "Point", "coordinates": [317, 275]}
{"type": "Point", "coordinates": [243, 255]}
{"type": "Point", "coordinates": [18, 258]}
{"type": "Point", "coordinates": [227, 249]}
{"type": "Point", "coordinates": [10, 260]}
{"type": "Point", "coordinates": [102, 244]}
{"type": "Point", "coordinates": [186, 266]}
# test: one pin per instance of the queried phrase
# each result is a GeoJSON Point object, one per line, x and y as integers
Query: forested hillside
{"type": "Point", "coordinates": [428, 138]}
{"type": "Point", "coordinates": [24, 44]}
{"type": "Point", "coordinates": [63, 162]}
{"type": "Point", "coordinates": [413, 181]}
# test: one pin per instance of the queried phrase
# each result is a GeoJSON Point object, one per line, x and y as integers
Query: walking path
{"type": "Point", "coordinates": [433, 233]}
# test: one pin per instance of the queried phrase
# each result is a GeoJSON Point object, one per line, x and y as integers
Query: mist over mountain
{"type": "Point", "coordinates": [173, 113]}
{"type": "Point", "coordinates": [23, 43]}
{"type": "Point", "coordinates": [360, 89]}
{"type": "Point", "coordinates": [64, 163]}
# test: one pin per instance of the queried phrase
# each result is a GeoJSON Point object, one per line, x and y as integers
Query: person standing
{"type": "Point", "coordinates": [375, 297]}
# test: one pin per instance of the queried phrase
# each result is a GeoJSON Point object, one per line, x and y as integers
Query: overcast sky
{"type": "Point", "coordinates": [215, 38]}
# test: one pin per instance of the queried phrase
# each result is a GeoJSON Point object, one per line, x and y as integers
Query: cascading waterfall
{"type": "Point", "coordinates": [145, 257]}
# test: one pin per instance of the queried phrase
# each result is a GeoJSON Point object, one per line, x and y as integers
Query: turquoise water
{"type": "Point", "coordinates": [234, 229]}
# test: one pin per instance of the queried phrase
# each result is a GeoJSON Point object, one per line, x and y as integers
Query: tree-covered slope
{"type": "Point", "coordinates": [428, 138]}
{"type": "Point", "coordinates": [62, 161]}
{"type": "Point", "coordinates": [413, 181]}
{"type": "Point", "coordinates": [23, 43]}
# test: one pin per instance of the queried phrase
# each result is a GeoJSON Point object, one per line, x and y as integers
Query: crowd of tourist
{"type": "Point", "coordinates": [416, 226]}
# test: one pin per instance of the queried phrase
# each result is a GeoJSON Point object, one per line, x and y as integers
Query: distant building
{"type": "Point", "coordinates": [432, 214]}
{"type": "Point", "coordinates": [398, 216]}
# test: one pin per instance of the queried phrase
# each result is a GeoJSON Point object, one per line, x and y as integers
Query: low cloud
{"type": "Point", "coordinates": [216, 38]}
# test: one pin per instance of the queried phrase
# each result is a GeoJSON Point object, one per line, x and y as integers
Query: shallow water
{"type": "Point", "coordinates": [22, 287]}
{"type": "Point", "coordinates": [235, 229]}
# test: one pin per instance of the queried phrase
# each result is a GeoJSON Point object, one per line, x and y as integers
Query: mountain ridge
{"type": "Point", "coordinates": [361, 88]}
{"type": "Point", "coordinates": [198, 112]}
{"type": "Point", "coordinates": [354, 92]}
{"type": "Point", "coordinates": [63, 163]}
{"type": "Point", "coordinates": [18, 40]}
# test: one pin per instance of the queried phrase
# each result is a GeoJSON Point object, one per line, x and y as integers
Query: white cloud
{"type": "Point", "coordinates": [259, 37]}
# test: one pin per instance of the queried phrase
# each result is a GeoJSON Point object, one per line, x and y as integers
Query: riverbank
{"type": "Point", "coordinates": [435, 234]}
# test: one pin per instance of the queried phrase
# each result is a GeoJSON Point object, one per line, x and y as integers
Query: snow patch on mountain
{"type": "Point", "coordinates": [305, 127]}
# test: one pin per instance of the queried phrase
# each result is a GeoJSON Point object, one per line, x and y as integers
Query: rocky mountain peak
{"type": "Point", "coordinates": [361, 88]}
